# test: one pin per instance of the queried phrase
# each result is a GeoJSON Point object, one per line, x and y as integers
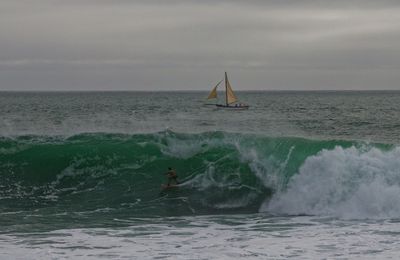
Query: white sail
{"type": "Point", "coordinates": [230, 96]}
{"type": "Point", "coordinates": [213, 93]}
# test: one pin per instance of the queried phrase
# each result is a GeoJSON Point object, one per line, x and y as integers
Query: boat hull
{"type": "Point", "coordinates": [243, 107]}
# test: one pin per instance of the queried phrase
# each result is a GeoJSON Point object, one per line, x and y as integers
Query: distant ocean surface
{"type": "Point", "coordinates": [301, 175]}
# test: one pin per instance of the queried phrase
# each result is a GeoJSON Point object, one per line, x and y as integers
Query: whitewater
{"type": "Point", "coordinates": [304, 175]}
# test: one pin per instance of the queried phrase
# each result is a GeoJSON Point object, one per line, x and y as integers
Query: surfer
{"type": "Point", "coordinates": [171, 174]}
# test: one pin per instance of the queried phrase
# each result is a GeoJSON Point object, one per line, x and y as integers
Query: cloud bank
{"type": "Point", "coordinates": [187, 45]}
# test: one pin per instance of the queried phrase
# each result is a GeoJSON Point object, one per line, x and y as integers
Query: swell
{"type": "Point", "coordinates": [222, 173]}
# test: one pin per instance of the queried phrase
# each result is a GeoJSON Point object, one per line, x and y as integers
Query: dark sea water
{"type": "Point", "coordinates": [303, 175]}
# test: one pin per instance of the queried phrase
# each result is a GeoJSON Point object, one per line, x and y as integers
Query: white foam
{"type": "Point", "coordinates": [212, 237]}
{"type": "Point", "coordinates": [347, 183]}
{"type": "Point", "coordinates": [269, 169]}
{"type": "Point", "coordinates": [183, 149]}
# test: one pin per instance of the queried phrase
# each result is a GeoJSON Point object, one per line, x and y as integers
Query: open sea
{"type": "Point", "coordinates": [299, 175]}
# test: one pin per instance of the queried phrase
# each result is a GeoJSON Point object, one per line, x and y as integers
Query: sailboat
{"type": "Point", "coordinates": [231, 101]}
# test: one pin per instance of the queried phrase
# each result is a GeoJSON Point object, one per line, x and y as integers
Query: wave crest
{"type": "Point", "coordinates": [344, 182]}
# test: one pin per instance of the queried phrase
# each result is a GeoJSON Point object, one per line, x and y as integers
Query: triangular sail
{"type": "Point", "coordinates": [230, 96]}
{"type": "Point", "coordinates": [213, 93]}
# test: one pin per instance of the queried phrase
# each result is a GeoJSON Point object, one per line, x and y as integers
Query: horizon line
{"type": "Point", "coordinates": [195, 90]}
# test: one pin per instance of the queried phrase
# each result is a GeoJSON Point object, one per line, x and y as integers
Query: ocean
{"type": "Point", "coordinates": [300, 175]}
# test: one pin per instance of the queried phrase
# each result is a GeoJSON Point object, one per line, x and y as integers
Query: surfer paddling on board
{"type": "Point", "coordinates": [171, 174]}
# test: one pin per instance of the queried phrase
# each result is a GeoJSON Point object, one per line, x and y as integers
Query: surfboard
{"type": "Point", "coordinates": [166, 187]}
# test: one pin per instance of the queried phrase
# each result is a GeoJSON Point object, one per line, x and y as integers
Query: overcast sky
{"type": "Point", "coordinates": [187, 44]}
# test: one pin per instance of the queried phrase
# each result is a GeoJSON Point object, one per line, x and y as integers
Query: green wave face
{"type": "Point", "coordinates": [221, 172]}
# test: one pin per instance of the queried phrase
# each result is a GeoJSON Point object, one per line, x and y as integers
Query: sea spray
{"type": "Point", "coordinates": [343, 182]}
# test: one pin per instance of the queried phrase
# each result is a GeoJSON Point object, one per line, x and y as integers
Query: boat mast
{"type": "Point", "coordinates": [226, 89]}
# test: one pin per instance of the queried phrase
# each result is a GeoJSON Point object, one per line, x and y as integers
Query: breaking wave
{"type": "Point", "coordinates": [221, 172]}
{"type": "Point", "coordinates": [344, 182]}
